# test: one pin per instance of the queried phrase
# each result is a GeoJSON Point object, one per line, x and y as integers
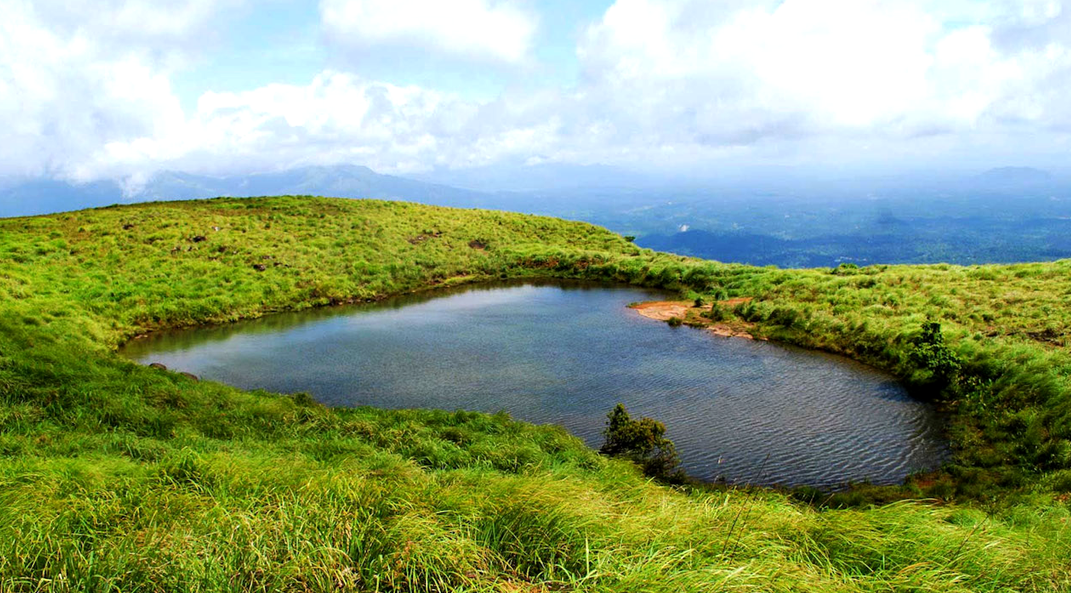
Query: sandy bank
{"type": "Point", "coordinates": [687, 312]}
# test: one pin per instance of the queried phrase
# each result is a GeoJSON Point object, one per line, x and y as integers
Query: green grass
{"type": "Point", "coordinates": [117, 477]}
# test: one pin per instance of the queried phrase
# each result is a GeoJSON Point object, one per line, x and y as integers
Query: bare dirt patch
{"type": "Point", "coordinates": [663, 310]}
{"type": "Point", "coordinates": [424, 237]}
{"type": "Point", "coordinates": [688, 313]}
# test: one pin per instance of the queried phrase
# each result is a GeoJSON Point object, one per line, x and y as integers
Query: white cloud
{"type": "Point", "coordinates": [154, 20]}
{"type": "Point", "coordinates": [740, 73]}
{"type": "Point", "coordinates": [78, 103]}
{"type": "Point", "coordinates": [494, 30]}
{"type": "Point", "coordinates": [663, 82]}
{"type": "Point", "coordinates": [63, 94]}
{"type": "Point", "coordinates": [163, 31]}
{"type": "Point", "coordinates": [337, 118]}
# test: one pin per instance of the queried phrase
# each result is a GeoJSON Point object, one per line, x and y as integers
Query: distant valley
{"type": "Point", "coordinates": [1002, 215]}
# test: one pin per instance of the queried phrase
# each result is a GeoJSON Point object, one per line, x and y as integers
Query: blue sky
{"type": "Point", "coordinates": [279, 42]}
{"type": "Point", "coordinates": [282, 41]}
{"type": "Point", "coordinates": [119, 89]}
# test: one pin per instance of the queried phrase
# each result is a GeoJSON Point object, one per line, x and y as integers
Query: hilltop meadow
{"type": "Point", "coordinates": [120, 477]}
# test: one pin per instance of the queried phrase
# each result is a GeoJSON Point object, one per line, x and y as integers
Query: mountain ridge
{"type": "Point", "coordinates": [46, 196]}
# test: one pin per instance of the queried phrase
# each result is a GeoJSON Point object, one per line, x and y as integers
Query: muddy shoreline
{"type": "Point", "coordinates": [690, 315]}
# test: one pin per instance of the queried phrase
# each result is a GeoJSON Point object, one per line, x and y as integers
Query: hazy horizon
{"type": "Point", "coordinates": [686, 90]}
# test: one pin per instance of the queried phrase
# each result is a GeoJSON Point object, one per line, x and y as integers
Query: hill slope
{"type": "Point", "coordinates": [120, 477]}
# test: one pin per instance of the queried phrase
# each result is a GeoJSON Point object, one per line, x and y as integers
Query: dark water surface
{"type": "Point", "coordinates": [565, 353]}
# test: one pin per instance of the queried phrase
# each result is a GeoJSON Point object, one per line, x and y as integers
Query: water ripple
{"type": "Point", "coordinates": [565, 354]}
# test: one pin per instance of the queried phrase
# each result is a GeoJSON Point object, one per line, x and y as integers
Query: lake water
{"type": "Point", "coordinates": [565, 353]}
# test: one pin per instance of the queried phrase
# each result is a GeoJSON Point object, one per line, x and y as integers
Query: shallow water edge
{"type": "Point", "coordinates": [565, 353]}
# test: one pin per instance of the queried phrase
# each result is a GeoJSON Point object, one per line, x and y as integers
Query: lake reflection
{"type": "Point", "coordinates": [565, 353]}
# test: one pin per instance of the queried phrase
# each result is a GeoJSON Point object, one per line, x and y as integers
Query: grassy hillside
{"type": "Point", "coordinates": [117, 477]}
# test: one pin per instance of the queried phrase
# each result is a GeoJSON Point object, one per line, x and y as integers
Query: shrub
{"type": "Point", "coordinates": [717, 313]}
{"type": "Point", "coordinates": [930, 353]}
{"type": "Point", "coordinates": [784, 316]}
{"type": "Point", "coordinates": [643, 441]}
{"type": "Point", "coordinates": [674, 321]}
{"type": "Point", "coordinates": [845, 269]}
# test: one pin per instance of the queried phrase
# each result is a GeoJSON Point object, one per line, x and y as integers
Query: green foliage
{"type": "Point", "coordinates": [117, 477]}
{"type": "Point", "coordinates": [675, 321]}
{"type": "Point", "coordinates": [717, 312]}
{"type": "Point", "coordinates": [641, 441]}
{"type": "Point", "coordinates": [929, 352]}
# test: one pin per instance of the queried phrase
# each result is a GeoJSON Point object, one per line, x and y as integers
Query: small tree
{"type": "Point", "coordinates": [643, 441]}
{"type": "Point", "coordinates": [931, 353]}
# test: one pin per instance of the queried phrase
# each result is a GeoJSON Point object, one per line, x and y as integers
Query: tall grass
{"type": "Point", "coordinates": [117, 477]}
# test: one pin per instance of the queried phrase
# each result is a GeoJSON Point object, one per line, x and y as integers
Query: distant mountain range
{"type": "Point", "coordinates": [545, 177]}
{"type": "Point", "coordinates": [555, 189]}
{"type": "Point", "coordinates": [40, 196]}
{"type": "Point", "coordinates": [1001, 215]}
{"type": "Point", "coordinates": [1005, 178]}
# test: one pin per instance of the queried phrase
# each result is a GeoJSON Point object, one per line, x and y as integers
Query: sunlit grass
{"type": "Point", "coordinates": [117, 477]}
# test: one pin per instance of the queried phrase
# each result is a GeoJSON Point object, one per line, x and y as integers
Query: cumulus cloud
{"type": "Point", "coordinates": [494, 30]}
{"type": "Point", "coordinates": [64, 93]}
{"type": "Point", "coordinates": [336, 118]}
{"type": "Point", "coordinates": [803, 68]}
{"type": "Point", "coordinates": [81, 100]}
{"type": "Point", "coordinates": [662, 81]}
{"type": "Point", "coordinates": [124, 23]}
